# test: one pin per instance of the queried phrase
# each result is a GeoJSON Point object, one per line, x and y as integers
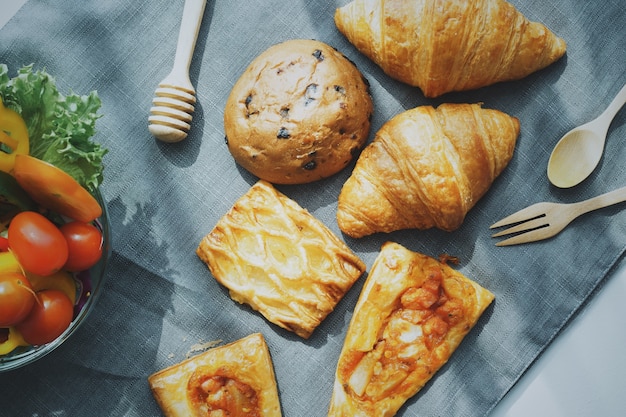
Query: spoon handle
{"type": "Point", "coordinates": [617, 103]}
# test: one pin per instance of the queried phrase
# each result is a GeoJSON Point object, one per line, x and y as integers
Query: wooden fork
{"type": "Point", "coordinates": [543, 220]}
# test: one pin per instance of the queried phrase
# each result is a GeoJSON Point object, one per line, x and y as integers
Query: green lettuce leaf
{"type": "Point", "coordinates": [60, 127]}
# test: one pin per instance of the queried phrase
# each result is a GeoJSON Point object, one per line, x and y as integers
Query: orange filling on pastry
{"type": "Point", "coordinates": [213, 395]}
{"type": "Point", "coordinates": [409, 342]}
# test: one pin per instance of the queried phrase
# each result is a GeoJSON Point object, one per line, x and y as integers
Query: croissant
{"type": "Point", "coordinates": [448, 45]}
{"type": "Point", "coordinates": [426, 168]}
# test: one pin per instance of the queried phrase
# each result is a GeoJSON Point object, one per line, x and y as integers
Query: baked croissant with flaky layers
{"type": "Point", "coordinates": [448, 45]}
{"type": "Point", "coordinates": [426, 168]}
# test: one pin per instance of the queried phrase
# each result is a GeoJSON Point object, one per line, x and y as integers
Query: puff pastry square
{"type": "Point", "coordinates": [276, 257]}
{"type": "Point", "coordinates": [236, 379]}
{"type": "Point", "coordinates": [412, 314]}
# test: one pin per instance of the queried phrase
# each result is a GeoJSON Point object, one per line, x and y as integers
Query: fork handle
{"type": "Point", "coordinates": [601, 201]}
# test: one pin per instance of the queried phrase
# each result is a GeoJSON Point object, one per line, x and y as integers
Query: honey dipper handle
{"type": "Point", "coordinates": [187, 36]}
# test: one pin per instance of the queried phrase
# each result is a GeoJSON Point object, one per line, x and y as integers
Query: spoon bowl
{"type": "Point", "coordinates": [575, 156]}
{"type": "Point", "coordinates": [579, 151]}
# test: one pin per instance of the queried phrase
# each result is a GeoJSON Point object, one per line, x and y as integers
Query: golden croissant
{"type": "Point", "coordinates": [448, 45]}
{"type": "Point", "coordinates": [426, 168]}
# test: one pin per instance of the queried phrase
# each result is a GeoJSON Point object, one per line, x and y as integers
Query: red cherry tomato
{"type": "Point", "coordinates": [37, 243]}
{"type": "Point", "coordinates": [16, 298]}
{"type": "Point", "coordinates": [49, 317]}
{"type": "Point", "coordinates": [84, 244]}
{"type": "Point", "coordinates": [4, 244]}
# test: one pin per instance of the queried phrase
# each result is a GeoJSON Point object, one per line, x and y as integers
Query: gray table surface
{"type": "Point", "coordinates": [159, 299]}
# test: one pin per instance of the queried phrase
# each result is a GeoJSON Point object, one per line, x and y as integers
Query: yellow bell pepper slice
{"type": "Point", "coordinates": [13, 137]}
{"type": "Point", "coordinates": [60, 280]}
{"type": "Point", "coordinates": [9, 263]}
{"type": "Point", "coordinates": [14, 341]}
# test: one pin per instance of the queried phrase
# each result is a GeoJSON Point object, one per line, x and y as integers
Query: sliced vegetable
{"type": "Point", "coordinates": [60, 127]}
{"type": "Point", "coordinates": [37, 243]}
{"type": "Point", "coordinates": [49, 165]}
{"type": "Point", "coordinates": [62, 281]}
{"type": "Point", "coordinates": [54, 189]}
{"type": "Point", "coordinates": [8, 263]}
{"type": "Point", "coordinates": [16, 298]}
{"type": "Point", "coordinates": [13, 137]}
{"type": "Point", "coordinates": [13, 340]}
{"type": "Point", "coordinates": [49, 317]}
{"type": "Point", "coordinates": [13, 198]}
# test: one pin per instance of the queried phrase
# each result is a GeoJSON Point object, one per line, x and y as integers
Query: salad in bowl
{"type": "Point", "coordinates": [54, 231]}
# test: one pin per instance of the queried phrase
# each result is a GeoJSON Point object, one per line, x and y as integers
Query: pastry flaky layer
{"type": "Point", "coordinates": [449, 45]}
{"type": "Point", "coordinates": [236, 379]}
{"type": "Point", "coordinates": [412, 314]}
{"type": "Point", "coordinates": [426, 168]}
{"type": "Point", "coordinates": [276, 257]}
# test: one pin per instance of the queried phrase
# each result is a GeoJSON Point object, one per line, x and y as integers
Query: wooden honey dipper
{"type": "Point", "coordinates": [170, 114]}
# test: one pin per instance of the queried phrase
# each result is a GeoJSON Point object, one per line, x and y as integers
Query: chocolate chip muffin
{"type": "Point", "coordinates": [300, 112]}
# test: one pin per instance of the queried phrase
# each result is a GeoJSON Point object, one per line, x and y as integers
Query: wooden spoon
{"type": "Point", "coordinates": [170, 115]}
{"type": "Point", "coordinates": [578, 152]}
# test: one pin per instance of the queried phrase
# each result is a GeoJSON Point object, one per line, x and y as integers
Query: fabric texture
{"type": "Point", "coordinates": [160, 299]}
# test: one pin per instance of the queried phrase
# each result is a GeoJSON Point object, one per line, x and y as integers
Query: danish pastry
{"type": "Point", "coordinates": [412, 314]}
{"type": "Point", "coordinates": [280, 260]}
{"type": "Point", "coordinates": [236, 379]}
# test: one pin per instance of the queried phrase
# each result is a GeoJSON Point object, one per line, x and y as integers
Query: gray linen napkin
{"type": "Point", "coordinates": [160, 300]}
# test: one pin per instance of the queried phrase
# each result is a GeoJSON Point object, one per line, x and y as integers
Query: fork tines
{"type": "Point", "coordinates": [526, 226]}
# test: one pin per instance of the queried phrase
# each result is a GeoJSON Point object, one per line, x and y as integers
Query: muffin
{"type": "Point", "coordinates": [300, 112]}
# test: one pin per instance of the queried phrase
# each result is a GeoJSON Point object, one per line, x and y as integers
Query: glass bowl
{"type": "Point", "coordinates": [92, 283]}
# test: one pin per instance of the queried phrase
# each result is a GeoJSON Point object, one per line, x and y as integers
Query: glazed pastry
{"type": "Point", "coordinates": [448, 45]}
{"type": "Point", "coordinates": [276, 257]}
{"type": "Point", "coordinates": [426, 168]}
{"type": "Point", "coordinates": [236, 379]}
{"type": "Point", "coordinates": [412, 314]}
{"type": "Point", "coordinates": [300, 112]}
